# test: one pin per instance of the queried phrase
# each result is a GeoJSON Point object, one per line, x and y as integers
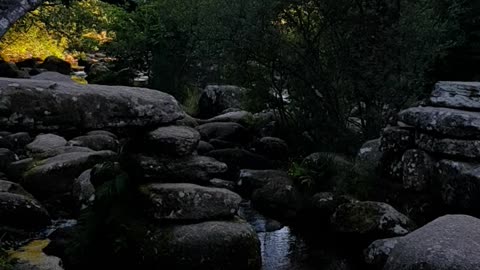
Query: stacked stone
{"type": "Point", "coordinates": [435, 149]}
{"type": "Point", "coordinates": [190, 223]}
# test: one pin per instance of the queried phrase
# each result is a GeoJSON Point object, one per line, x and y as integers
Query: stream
{"type": "Point", "coordinates": [284, 248]}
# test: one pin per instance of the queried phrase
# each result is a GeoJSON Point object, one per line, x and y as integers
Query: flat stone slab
{"type": "Point", "coordinates": [450, 147]}
{"type": "Point", "coordinates": [448, 122]}
{"type": "Point", "coordinates": [461, 95]}
{"type": "Point", "coordinates": [39, 105]}
{"type": "Point", "coordinates": [189, 202]}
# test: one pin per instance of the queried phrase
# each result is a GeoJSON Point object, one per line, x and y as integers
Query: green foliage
{"type": "Point", "coordinates": [191, 100]}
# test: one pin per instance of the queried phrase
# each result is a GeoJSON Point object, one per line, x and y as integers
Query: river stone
{"type": "Point", "coordinates": [187, 121]}
{"type": "Point", "coordinates": [31, 257]}
{"type": "Point", "coordinates": [460, 95]}
{"type": "Point", "coordinates": [272, 147]}
{"type": "Point", "coordinates": [241, 117]}
{"type": "Point", "coordinates": [250, 180]}
{"type": "Point", "coordinates": [450, 147]}
{"type": "Point", "coordinates": [460, 184]}
{"type": "Point", "coordinates": [212, 245]}
{"type": "Point", "coordinates": [16, 169]}
{"type": "Point", "coordinates": [22, 211]}
{"type": "Point", "coordinates": [95, 142]}
{"type": "Point", "coordinates": [14, 188]}
{"type": "Point", "coordinates": [83, 191]}
{"type": "Point", "coordinates": [220, 183]}
{"type": "Point", "coordinates": [204, 147]}
{"type": "Point", "coordinates": [217, 98]}
{"type": "Point", "coordinates": [173, 140]}
{"type": "Point", "coordinates": [53, 63]}
{"type": "Point", "coordinates": [55, 175]}
{"type": "Point", "coordinates": [190, 169]}
{"type": "Point", "coordinates": [444, 121]}
{"type": "Point", "coordinates": [176, 202]}
{"type": "Point", "coordinates": [67, 106]}
{"type": "Point", "coordinates": [279, 198]}
{"type": "Point", "coordinates": [45, 142]}
{"type": "Point", "coordinates": [417, 170]}
{"type": "Point", "coordinates": [61, 150]}
{"type": "Point", "coordinates": [324, 204]}
{"type": "Point", "coordinates": [370, 153]}
{"type": "Point", "coordinates": [221, 144]}
{"type": "Point", "coordinates": [371, 220]}
{"type": "Point", "coordinates": [449, 242]}
{"type": "Point", "coordinates": [396, 140]}
{"type": "Point", "coordinates": [53, 76]}
{"type": "Point", "coordinates": [223, 131]}
{"type": "Point", "coordinates": [377, 252]}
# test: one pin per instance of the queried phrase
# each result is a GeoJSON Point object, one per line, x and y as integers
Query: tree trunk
{"type": "Point", "coordinates": [13, 10]}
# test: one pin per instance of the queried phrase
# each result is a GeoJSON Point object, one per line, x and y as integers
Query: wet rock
{"type": "Point", "coordinates": [102, 132]}
{"type": "Point", "coordinates": [250, 180]}
{"type": "Point", "coordinates": [417, 170]}
{"type": "Point", "coordinates": [278, 198]}
{"type": "Point", "coordinates": [396, 140]}
{"type": "Point", "coordinates": [448, 122]}
{"type": "Point", "coordinates": [221, 144]}
{"type": "Point", "coordinates": [56, 175]}
{"type": "Point", "coordinates": [324, 204]}
{"type": "Point", "coordinates": [10, 70]}
{"type": "Point", "coordinates": [173, 140]}
{"type": "Point", "coordinates": [204, 147]}
{"type": "Point", "coordinates": [82, 107]}
{"type": "Point", "coordinates": [83, 191]}
{"type": "Point", "coordinates": [219, 183]}
{"type": "Point", "coordinates": [53, 63]}
{"type": "Point", "coordinates": [237, 159]}
{"type": "Point", "coordinates": [61, 150]}
{"type": "Point", "coordinates": [45, 142]}
{"type": "Point", "coordinates": [187, 121]}
{"type": "Point", "coordinates": [371, 220]}
{"type": "Point", "coordinates": [214, 245]}
{"type": "Point", "coordinates": [188, 202]}
{"type": "Point", "coordinates": [460, 185]}
{"type": "Point", "coordinates": [449, 147]}
{"type": "Point", "coordinates": [190, 169]}
{"type": "Point", "coordinates": [217, 98]}
{"type": "Point", "coordinates": [243, 118]}
{"type": "Point", "coordinates": [16, 170]}
{"type": "Point", "coordinates": [14, 188]}
{"type": "Point", "coordinates": [20, 210]}
{"type": "Point", "coordinates": [377, 252]}
{"type": "Point", "coordinates": [95, 142]}
{"type": "Point", "coordinates": [460, 95]}
{"type": "Point", "coordinates": [449, 242]}
{"type": "Point", "coordinates": [53, 76]}
{"type": "Point", "coordinates": [223, 131]}
{"type": "Point", "coordinates": [6, 158]}
{"type": "Point", "coordinates": [273, 148]}
{"type": "Point", "coordinates": [370, 153]}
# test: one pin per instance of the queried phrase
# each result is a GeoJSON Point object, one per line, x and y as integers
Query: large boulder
{"type": "Point", "coordinates": [53, 63]}
{"type": "Point", "coordinates": [191, 202]}
{"type": "Point", "coordinates": [212, 245]}
{"type": "Point", "coordinates": [61, 150]}
{"type": "Point", "coordinates": [95, 142]}
{"type": "Point", "coordinates": [47, 106]}
{"type": "Point", "coordinates": [53, 76]}
{"type": "Point", "coordinates": [217, 98]}
{"type": "Point", "coordinates": [56, 175]}
{"type": "Point", "coordinates": [223, 131]}
{"type": "Point", "coordinates": [190, 169]}
{"type": "Point", "coordinates": [460, 95]}
{"type": "Point", "coordinates": [444, 121]}
{"type": "Point", "coordinates": [395, 140]}
{"type": "Point", "coordinates": [272, 147]}
{"type": "Point", "coordinates": [370, 153]}
{"type": "Point", "coordinates": [204, 147]}
{"type": "Point", "coordinates": [279, 198]}
{"type": "Point", "coordinates": [241, 117]}
{"type": "Point", "coordinates": [449, 242]}
{"type": "Point", "coordinates": [251, 180]}
{"type": "Point", "coordinates": [370, 220]}
{"type": "Point", "coordinates": [18, 209]}
{"type": "Point", "coordinates": [45, 142]}
{"type": "Point", "coordinates": [173, 140]}
{"type": "Point", "coordinates": [378, 252]}
{"type": "Point", "coordinates": [460, 185]}
{"type": "Point", "coordinates": [449, 147]}
{"type": "Point", "coordinates": [417, 170]}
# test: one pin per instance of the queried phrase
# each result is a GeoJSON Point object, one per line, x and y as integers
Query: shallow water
{"type": "Point", "coordinates": [284, 248]}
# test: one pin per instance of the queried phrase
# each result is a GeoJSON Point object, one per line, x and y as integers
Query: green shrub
{"type": "Point", "coordinates": [6, 263]}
